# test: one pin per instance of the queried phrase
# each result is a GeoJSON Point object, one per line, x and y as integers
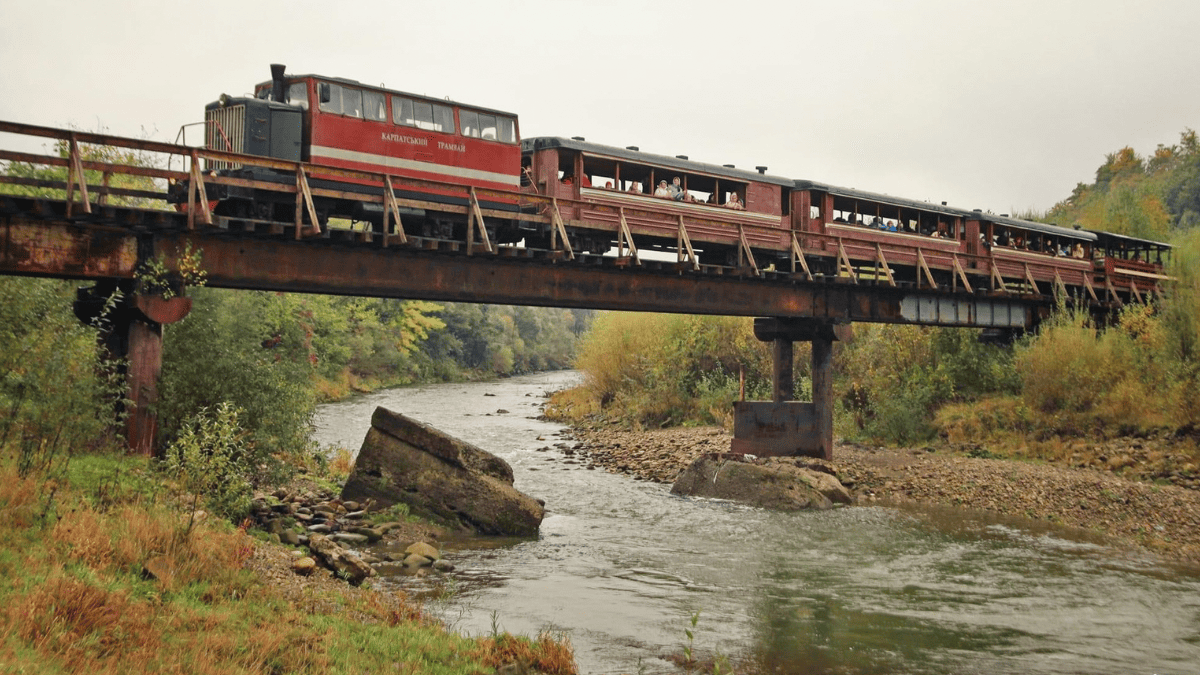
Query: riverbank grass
{"type": "Point", "coordinates": [102, 574]}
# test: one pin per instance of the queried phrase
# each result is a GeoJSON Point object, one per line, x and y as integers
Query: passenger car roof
{"type": "Point", "coordinates": [946, 210]}
{"type": "Point", "coordinates": [639, 157]}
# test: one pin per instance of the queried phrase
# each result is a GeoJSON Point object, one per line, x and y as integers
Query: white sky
{"type": "Point", "coordinates": [999, 105]}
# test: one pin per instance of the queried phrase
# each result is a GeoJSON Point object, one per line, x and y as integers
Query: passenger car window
{"type": "Point", "coordinates": [374, 107]}
{"type": "Point", "coordinates": [443, 117]}
{"type": "Point", "coordinates": [423, 115]}
{"type": "Point", "coordinates": [487, 126]}
{"type": "Point", "coordinates": [507, 129]}
{"type": "Point", "coordinates": [402, 111]}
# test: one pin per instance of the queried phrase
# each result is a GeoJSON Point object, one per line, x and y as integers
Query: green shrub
{"type": "Point", "coordinates": [208, 456]}
{"type": "Point", "coordinates": [57, 393]}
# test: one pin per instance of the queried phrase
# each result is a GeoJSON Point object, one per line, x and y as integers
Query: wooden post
{"type": "Point", "coordinates": [145, 365]}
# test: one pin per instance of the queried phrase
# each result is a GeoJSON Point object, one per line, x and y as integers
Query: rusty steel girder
{"type": "Point", "coordinates": [310, 267]}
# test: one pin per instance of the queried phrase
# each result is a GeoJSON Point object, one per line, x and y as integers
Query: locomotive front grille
{"type": "Point", "coordinates": [225, 129]}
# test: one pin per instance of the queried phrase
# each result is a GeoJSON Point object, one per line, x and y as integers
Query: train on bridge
{"type": "Point", "coordinates": [454, 162]}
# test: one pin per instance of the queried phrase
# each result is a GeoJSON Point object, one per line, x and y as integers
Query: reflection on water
{"type": "Point", "coordinates": [621, 565]}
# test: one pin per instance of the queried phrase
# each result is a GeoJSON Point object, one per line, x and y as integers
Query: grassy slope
{"type": "Point", "coordinates": [101, 575]}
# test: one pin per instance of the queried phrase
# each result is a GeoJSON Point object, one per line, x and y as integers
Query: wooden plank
{"type": "Point", "coordinates": [960, 273]}
{"type": "Point", "coordinates": [391, 209]}
{"type": "Point", "coordinates": [923, 268]}
{"type": "Point", "coordinates": [1112, 292]}
{"type": "Point", "coordinates": [881, 260]}
{"type": "Point", "coordinates": [844, 262]}
{"type": "Point", "coordinates": [997, 280]}
{"type": "Point", "coordinates": [303, 198]}
{"type": "Point", "coordinates": [75, 175]}
{"type": "Point", "coordinates": [798, 256]}
{"type": "Point", "coordinates": [1030, 280]}
{"type": "Point", "coordinates": [559, 230]}
{"type": "Point", "coordinates": [1059, 286]}
{"type": "Point", "coordinates": [1087, 283]}
{"type": "Point", "coordinates": [684, 243]}
{"type": "Point", "coordinates": [744, 249]}
{"type": "Point", "coordinates": [624, 238]}
{"type": "Point", "coordinates": [197, 195]}
{"type": "Point", "coordinates": [473, 218]}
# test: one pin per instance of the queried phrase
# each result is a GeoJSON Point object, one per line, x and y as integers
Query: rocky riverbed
{"type": "Point", "coordinates": [1163, 518]}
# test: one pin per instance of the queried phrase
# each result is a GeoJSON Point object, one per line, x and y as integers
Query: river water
{"type": "Point", "coordinates": [621, 566]}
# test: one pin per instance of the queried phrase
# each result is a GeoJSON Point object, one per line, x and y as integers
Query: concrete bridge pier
{"type": "Point", "coordinates": [783, 426]}
{"type": "Point", "coordinates": [131, 332]}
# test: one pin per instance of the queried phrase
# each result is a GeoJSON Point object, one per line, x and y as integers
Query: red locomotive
{"type": "Point", "coordinates": [334, 122]}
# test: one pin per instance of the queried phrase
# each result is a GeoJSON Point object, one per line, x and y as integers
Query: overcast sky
{"type": "Point", "coordinates": [1001, 105]}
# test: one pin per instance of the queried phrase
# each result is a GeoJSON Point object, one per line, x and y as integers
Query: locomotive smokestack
{"type": "Point", "coordinates": [277, 86]}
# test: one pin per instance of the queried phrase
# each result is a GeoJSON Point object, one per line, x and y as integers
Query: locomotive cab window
{"type": "Point", "coordinates": [340, 100]}
{"type": "Point", "coordinates": [297, 94]}
{"type": "Point", "coordinates": [422, 115]}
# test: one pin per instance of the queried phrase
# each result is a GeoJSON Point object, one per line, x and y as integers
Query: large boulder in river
{"type": "Point", "coordinates": [779, 483]}
{"type": "Point", "coordinates": [440, 477]}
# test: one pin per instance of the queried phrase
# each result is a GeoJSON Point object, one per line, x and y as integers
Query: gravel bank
{"type": "Point", "coordinates": [1164, 519]}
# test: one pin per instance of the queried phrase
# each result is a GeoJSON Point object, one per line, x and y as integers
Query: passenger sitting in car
{"type": "Point", "coordinates": [635, 187]}
{"type": "Point", "coordinates": [676, 190]}
{"type": "Point", "coordinates": [1077, 252]}
{"type": "Point", "coordinates": [734, 202]}
{"type": "Point", "coordinates": [662, 190]}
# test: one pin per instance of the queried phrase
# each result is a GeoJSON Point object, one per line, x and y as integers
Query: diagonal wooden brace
{"type": "Point", "coordinates": [882, 261]}
{"type": "Point", "coordinates": [624, 238]}
{"type": "Point", "coordinates": [1087, 283]}
{"type": "Point", "coordinates": [559, 229]}
{"type": "Point", "coordinates": [683, 248]}
{"type": "Point", "coordinates": [475, 218]}
{"type": "Point", "coordinates": [304, 199]}
{"type": "Point", "coordinates": [390, 208]}
{"type": "Point", "coordinates": [197, 195]}
{"type": "Point", "coordinates": [744, 249]}
{"type": "Point", "coordinates": [798, 257]}
{"type": "Point", "coordinates": [844, 263]}
{"type": "Point", "coordinates": [960, 274]}
{"type": "Point", "coordinates": [75, 175]}
{"type": "Point", "coordinates": [1030, 280]}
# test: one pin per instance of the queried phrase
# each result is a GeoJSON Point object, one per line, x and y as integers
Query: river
{"type": "Point", "coordinates": [621, 567]}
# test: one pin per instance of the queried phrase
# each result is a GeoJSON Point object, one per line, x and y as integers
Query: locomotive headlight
{"type": "Point", "coordinates": [223, 100]}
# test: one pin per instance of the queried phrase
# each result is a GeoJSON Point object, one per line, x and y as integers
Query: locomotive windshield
{"type": "Point", "coordinates": [297, 94]}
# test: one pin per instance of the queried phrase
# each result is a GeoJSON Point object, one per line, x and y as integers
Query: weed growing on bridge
{"type": "Point", "coordinates": [155, 276]}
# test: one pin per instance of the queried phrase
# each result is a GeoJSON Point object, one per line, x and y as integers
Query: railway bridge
{"type": "Point", "coordinates": [82, 227]}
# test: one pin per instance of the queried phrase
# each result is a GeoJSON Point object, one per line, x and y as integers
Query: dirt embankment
{"type": "Point", "coordinates": [1161, 518]}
